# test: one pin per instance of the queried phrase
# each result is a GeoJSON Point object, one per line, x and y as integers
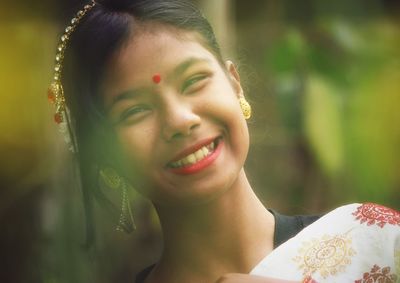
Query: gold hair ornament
{"type": "Point", "coordinates": [55, 93]}
{"type": "Point", "coordinates": [245, 106]}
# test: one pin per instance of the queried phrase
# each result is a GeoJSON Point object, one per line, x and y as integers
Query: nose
{"type": "Point", "coordinates": [178, 120]}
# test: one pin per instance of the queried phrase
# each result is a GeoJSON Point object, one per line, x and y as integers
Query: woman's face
{"type": "Point", "coordinates": [183, 138]}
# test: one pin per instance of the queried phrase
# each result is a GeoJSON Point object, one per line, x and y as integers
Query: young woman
{"type": "Point", "coordinates": [150, 103]}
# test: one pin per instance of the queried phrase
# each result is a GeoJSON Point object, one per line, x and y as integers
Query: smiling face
{"type": "Point", "coordinates": [177, 118]}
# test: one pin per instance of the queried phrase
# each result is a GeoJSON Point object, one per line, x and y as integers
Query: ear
{"type": "Point", "coordinates": [234, 77]}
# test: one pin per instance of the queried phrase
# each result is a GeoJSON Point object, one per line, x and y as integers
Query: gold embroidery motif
{"type": "Point", "coordinates": [327, 255]}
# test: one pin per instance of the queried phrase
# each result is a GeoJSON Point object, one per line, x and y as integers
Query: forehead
{"type": "Point", "coordinates": [150, 52]}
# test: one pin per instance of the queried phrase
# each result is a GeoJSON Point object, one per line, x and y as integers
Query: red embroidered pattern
{"type": "Point", "coordinates": [378, 275]}
{"type": "Point", "coordinates": [377, 214]}
{"type": "Point", "coordinates": [308, 279]}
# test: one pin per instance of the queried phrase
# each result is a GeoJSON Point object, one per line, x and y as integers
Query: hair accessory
{"type": "Point", "coordinates": [115, 182]}
{"type": "Point", "coordinates": [55, 93]}
{"type": "Point", "coordinates": [157, 78]}
{"type": "Point", "coordinates": [245, 106]}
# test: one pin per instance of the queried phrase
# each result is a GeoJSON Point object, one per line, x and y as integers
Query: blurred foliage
{"type": "Point", "coordinates": [348, 77]}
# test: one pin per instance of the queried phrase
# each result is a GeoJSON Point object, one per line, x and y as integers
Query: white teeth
{"type": "Point", "coordinates": [194, 157]}
{"type": "Point", "coordinates": [199, 154]}
{"type": "Point", "coordinates": [212, 145]}
{"type": "Point", "coordinates": [191, 158]}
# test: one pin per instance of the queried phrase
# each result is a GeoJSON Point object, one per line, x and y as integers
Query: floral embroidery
{"type": "Point", "coordinates": [377, 214]}
{"type": "Point", "coordinates": [328, 255]}
{"type": "Point", "coordinates": [378, 275]}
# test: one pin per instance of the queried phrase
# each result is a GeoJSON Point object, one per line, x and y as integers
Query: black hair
{"type": "Point", "coordinates": [100, 34]}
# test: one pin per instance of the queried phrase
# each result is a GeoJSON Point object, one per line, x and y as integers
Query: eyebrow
{"type": "Point", "coordinates": [182, 67]}
{"type": "Point", "coordinates": [178, 70]}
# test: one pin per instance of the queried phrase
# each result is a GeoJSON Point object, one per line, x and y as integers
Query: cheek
{"type": "Point", "coordinates": [137, 145]}
{"type": "Point", "coordinates": [220, 94]}
{"type": "Point", "coordinates": [223, 103]}
{"type": "Point", "coordinates": [139, 160]}
{"type": "Point", "coordinates": [226, 108]}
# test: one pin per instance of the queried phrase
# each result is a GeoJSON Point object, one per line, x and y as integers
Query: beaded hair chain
{"type": "Point", "coordinates": [55, 93]}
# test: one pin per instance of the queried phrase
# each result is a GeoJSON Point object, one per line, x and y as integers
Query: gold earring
{"type": "Point", "coordinates": [115, 182]}
{"type": "Point", "coordinates": [245, 106]}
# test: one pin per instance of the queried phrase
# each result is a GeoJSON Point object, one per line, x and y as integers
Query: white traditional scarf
{"type": "Point", "coordinates": [353, 243]}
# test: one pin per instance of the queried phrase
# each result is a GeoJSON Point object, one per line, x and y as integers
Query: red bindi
{"type": "Point", "coordinates": [157, 78]}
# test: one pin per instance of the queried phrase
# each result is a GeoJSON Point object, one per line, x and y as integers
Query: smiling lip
{"type": "Point", "coordinates": [200, 164]}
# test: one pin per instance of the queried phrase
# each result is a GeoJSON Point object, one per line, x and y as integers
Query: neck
{"type": "Point", "coordinates": [229, 234]}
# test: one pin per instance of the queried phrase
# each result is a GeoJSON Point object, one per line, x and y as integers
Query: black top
{"type": "Point", "coordinates": [286, 227]}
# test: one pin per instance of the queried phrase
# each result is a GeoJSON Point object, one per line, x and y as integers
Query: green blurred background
{"type": "Point", "coordinates": [323, 78]}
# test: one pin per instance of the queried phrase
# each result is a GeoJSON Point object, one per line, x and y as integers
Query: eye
{"type": "Point", "coordinates": [194, 83]}
{"type": "Point", "coordinates": [133, 113]}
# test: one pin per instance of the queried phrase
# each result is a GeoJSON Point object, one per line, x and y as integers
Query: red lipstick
{"type": "Point", "coordinates": [192, 149]}
{"type": "Point", "coordinates": [201, 164]}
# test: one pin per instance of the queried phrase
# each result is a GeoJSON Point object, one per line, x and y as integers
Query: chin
{"type": "Point", "coordinates": [198, 193]}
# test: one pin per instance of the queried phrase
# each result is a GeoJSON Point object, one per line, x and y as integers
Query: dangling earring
{"type": "Point", "coordinates": [245, 106]}
{"type": "Point", "coordinates": [114, 181]}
